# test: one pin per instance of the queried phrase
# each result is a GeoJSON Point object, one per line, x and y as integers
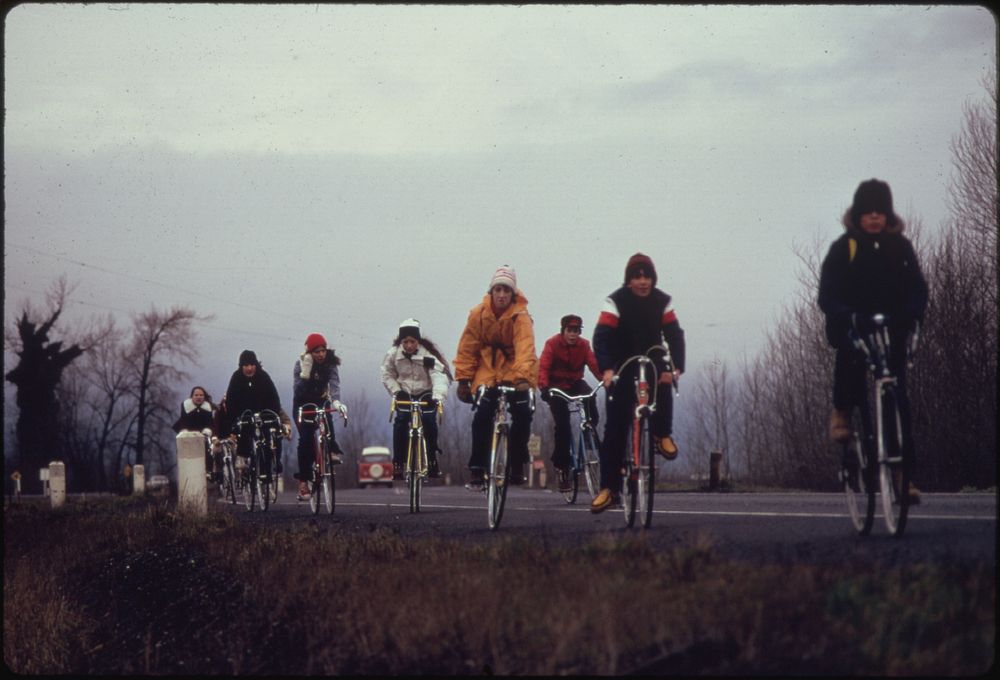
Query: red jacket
{"type": "Point", "coordinates": [561, 365]}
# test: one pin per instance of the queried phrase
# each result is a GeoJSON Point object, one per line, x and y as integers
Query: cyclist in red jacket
{"type": "Point", "coordinates": [561, 365]}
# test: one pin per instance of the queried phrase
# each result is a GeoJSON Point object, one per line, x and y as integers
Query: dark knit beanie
{"type": "Point", "coordinates": [247, 357]}
{"type": "Point", "coordinates": [640, 264]}
{"type": "Point", "coordinates": [872, 196]}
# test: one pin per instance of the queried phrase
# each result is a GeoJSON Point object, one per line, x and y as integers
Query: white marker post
{"type": "Point", "coordinates": [57, 483]}
{"type": "Point", "coordinates": [192, 492]}
{"type": "Point", "coordinates": [138, 479]}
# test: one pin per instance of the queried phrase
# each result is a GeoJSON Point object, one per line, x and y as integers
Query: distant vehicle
{"type": "Point", "coordinates": [375, 466]}
{"type": "Point", "coordinates": [158, 483]}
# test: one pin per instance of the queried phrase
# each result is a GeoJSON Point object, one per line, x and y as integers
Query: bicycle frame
{"type": "Point", "coordinates": [500, 466]}
{"type": "Point", "coordinates": [265, 426]}
{"type": "Point", "coordinates": [579, 442]}
{"type": "Point", "coordinates": [323, 468]}
{"type": "Point", "coordinates": [887, 429]}
{"type": "Point", "coordinates": [416, 449]}
{"type": "Point", "coordinates": [639, 463]}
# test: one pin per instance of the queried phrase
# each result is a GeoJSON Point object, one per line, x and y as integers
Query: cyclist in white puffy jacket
{"type": "Point", "coordinates": [412, 367]}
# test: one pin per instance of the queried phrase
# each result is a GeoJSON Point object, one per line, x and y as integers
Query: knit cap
{"type": "Point", "coordinates": [314, 341]}
{"type": "Point", "coordinates": [410, 328]}
{"type": "Point", "coordinates": [504, 276]}
{"type": "Point", "coordinates": [640, 263]}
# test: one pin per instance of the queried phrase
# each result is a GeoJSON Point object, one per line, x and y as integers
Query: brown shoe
{"type": "Point", "coordinates": [840, 432]}
{"type": "Point", "coordinates": [602, 502]}
{"type": "Point", "coordinates": [913, 494]}
{"type": "Point", "coordinates": [667, 447]}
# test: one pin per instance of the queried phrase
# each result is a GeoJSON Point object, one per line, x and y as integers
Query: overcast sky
{"type": "Point", "coordinates": [339, 168]}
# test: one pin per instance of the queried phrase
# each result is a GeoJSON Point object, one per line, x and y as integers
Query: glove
{"type": "Point", "coordinates": [544, 394]}
{"type": "Point", "coordinates": [340, 407]}
{"type": "Point", "coordinates": [402, 395]}
{"type": "Point", "coordinates": [522, 386]}
{"type": "Point", "coordinates": [464, 392]}
{"type": "Point", "coordinates": [306, 365]}
{"type": "Point", "coordinates": [286, 429]}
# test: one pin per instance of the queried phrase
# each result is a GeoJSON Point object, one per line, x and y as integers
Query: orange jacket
{"type": "Point", "coordinates": [494, 350]}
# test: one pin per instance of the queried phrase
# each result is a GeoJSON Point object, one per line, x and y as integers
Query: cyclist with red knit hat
{"type": "Point", "coordinates": [634, 318]}
{"type": "Point", "coordinates": [315, 379]}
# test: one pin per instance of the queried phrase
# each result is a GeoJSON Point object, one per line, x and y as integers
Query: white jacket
{"type": "Point", "coordinates": [407, 373]}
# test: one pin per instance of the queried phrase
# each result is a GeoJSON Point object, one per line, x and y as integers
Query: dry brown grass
{"type": "Point", "coordinates": [130, 587]}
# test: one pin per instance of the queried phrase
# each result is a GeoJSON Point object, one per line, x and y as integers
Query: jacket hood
{"type": "Point", "coordinates": [855, 230]}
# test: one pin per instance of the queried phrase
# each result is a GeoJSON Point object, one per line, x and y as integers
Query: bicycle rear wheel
{"type": "Point", "coordinates": [646, 474]}
{"type": "Point", "coordinates": [499, 472]}
{"type": "Point", "coordinates": [894, 475]}
{"type": "Point", "coordinates": [592, 462]}
{"type": "Point", "coordinates": [857, 473]}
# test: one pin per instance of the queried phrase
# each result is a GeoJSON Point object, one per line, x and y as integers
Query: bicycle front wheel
{"type": "Point", "coordinates": [857, 474]}
{"type": "Point", "coordinates": [630, 477]}
{"type": "Point", "coordinates": [499, 473]}
{"type": "Point", "coordinates": [413, 480]}
{"type": "Point", "coordinates": [894, 475]}
{"type": "Point", "coordinates": [251, 484]}
{"type": "Point", "coordinates": [329, 493]}
{"type": "Point", "coordinates": [229, 481]}
{"type": "Point", "coordinates": [315, 489]}
{"type": "Point", "coordinates": [575, 454]}
{"type": "Point", "coordinates": [646, 474]}
{"type": "Point", "coordinates": [592, 462]}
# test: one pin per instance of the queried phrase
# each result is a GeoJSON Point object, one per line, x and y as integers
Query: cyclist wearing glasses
{"type": "Point", "coordinates": [497, 347]}
{"type": "Point", "coordinates": [251, 389]}
{"type": "Point", "coordinates": [561, 365]}
{"type": "Point", "coordinates": [315, 378]}
{"type": "Point", "coordinates": [406, 375]}
{"type": "Point", "coordinates": [871, 269]}
{"type": "Point", "coordinates": [634, 318]}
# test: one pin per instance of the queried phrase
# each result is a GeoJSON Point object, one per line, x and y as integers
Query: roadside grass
{"type": "Point", "coordinates": [127, 586]}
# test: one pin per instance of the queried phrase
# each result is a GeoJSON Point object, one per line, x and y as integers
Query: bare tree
{"type": "Point", "coordinates": [36, 377]}
{"type": "Point", "coordinates": [160, 340]}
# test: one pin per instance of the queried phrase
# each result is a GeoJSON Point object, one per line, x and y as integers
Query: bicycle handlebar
{"type": "Point", "coordinates": [579, 397]}
{"type": "Point", "coordinates": [311, 409]}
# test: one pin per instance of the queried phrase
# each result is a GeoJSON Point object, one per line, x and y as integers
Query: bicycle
{"type": "Point", "coordinates": [875, 448]}
{"type": "Point", "coordinates": [260, 482]}
{"type": "Point", "coordinates": [499, 466]}
{"type": "Point", "coordinates": [323, 477]}
{"type": "Point", "coordinates": [584, 446]}
{"type": "Point", "coordinates": [416, 469]}
{"type": "Point", "coordinates": [639, 474]}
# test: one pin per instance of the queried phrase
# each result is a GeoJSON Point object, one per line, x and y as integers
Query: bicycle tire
{"type": "Point", "coordinates": [592, 462]}
{"type": "Point", "coordinates": [646, 474]}
{"type": "Point", "coordinates": [895, 496]}
{"type": "Point", "coordinates": [575, 452]}
{"type": "Point", "coordinates": [630, 490]}
{"type": "Point", "coordinates": [857, 472]}
{"type": "Point", "coordinates": [329, 493]}
{"type": "Point", "coordinates": [499, 473]}
{"type": "Point", "coordinates": [265, 479]}
{"type": "Point", "coordinates": [315, 489]}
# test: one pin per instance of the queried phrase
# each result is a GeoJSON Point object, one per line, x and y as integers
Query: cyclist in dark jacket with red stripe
{"type": "Point", "coordinates": [635, 317]}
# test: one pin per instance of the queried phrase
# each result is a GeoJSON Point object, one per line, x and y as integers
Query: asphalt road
{"type": "Point", "coordinates": [759, 527]}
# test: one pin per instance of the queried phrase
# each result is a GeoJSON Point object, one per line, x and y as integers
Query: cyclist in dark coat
{"type": "Point", "coordinates": [635, 317]}
{"type": "Point", "coordinates": [871, 269]}
{"type": "Point", "coordinates": [251, 389]}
